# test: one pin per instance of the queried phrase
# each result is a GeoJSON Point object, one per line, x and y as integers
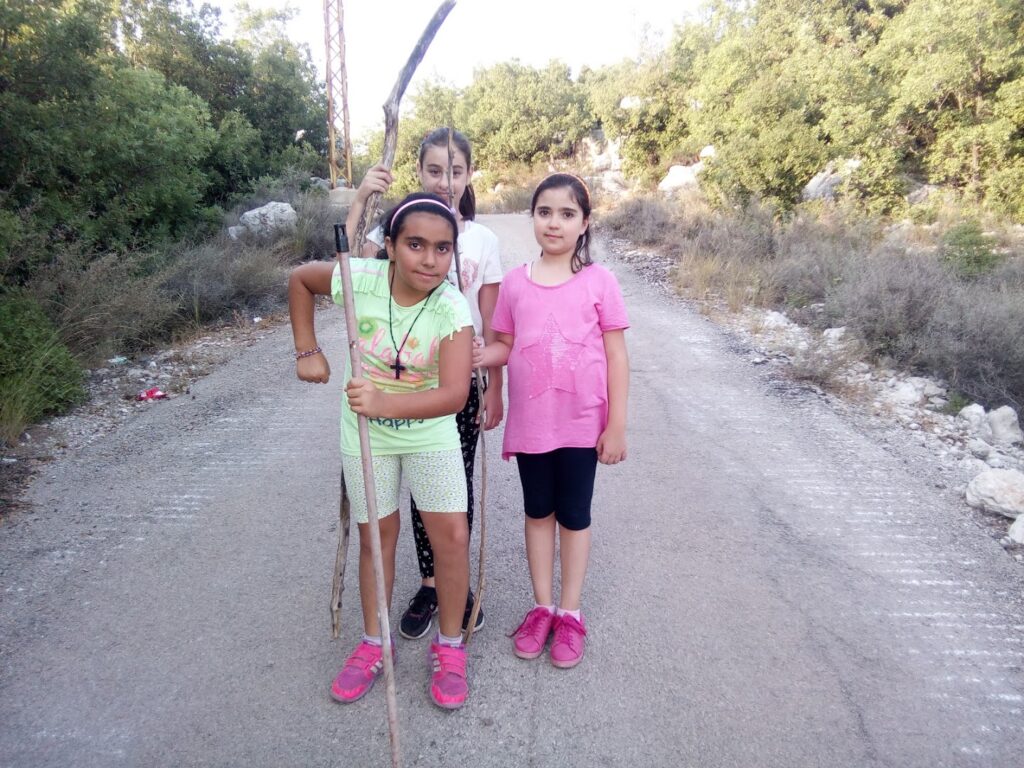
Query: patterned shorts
{"type": "Point", "coordinates": [436, 479]}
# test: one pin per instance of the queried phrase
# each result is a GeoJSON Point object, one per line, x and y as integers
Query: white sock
{"type": "Point", "coordinates": [548, 608]}
{"type": "Point", "coordinates": [454, 642]}
{"type": "Point", "coordinates": [575, 614]}
{"type": "Point", "coordinates": [378, 641]}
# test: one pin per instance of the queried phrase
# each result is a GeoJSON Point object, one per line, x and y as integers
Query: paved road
{"type": "Point", "coordinates": [768, 588]}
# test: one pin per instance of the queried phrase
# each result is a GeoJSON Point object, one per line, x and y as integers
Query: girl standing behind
{"type": "Point", "coordinates": [415, 348]}
{"type": "Point", "coordinates": [559, 323]}
{"type": "Point", "coordinates": [481, 274]}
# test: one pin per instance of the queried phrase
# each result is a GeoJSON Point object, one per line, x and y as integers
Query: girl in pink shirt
{"type": "Point", "coordinates": [560, 323]}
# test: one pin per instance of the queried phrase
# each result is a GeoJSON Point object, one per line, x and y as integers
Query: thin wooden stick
{"type": "Point", "coordinates": [481, 583]}
{"type": "Point", "coordinates": [338, 587]}
{"type": "Point", "coordinates": [352, 329]}
{"type": "Point", "coordinates": [391, 113]}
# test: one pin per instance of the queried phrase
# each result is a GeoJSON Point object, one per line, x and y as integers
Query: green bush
{"type": "Point", "coordinates": [38, 375]}
{"type": "Point", "coordinates": [969, 250]}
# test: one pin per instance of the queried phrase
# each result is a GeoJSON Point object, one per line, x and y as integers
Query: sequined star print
{"type": "Point", "coordinates": [553, 358]}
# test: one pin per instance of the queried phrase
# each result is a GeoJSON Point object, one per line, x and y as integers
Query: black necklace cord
{"type": "Point", "coordinates": [397, 365]}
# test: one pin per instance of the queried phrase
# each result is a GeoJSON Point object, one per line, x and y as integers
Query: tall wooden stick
{"type": "Point", "coordinates": [391, 113]}
{"type": "Point", "coordinates": [352, 329]}
{"type": "Point", "coordinates": [467, 633]}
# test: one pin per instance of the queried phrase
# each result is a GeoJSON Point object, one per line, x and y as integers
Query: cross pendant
{"type": "Point", "coordinates": [397, 365]}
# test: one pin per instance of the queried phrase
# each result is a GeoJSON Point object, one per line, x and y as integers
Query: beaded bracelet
{"type": "Point", "coordinates": [308, 353]}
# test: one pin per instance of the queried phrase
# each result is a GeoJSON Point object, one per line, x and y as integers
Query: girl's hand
{"type": "Point", "coordinates": [611, 446]}
{"type": "Point", "coordinates": [364, 398]}
{"type": "Point", "coordinates": [377, 179]}
{"type": "Point", "coordinates": [478, 351]}
{"type": "Point", "coordinates": [494, 408]}
{"type": "Point", "coordinates": [314, 369]}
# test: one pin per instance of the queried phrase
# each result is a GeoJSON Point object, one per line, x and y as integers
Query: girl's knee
{"type": "Point", "coordinates": [451, 535]}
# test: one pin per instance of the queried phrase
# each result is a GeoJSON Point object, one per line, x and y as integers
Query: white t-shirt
{"type": "Point", "coordinates": [481, 264]}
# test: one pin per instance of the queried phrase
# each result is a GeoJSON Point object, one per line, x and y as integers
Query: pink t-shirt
{"type": "Point", "coordinates": [557, 370]}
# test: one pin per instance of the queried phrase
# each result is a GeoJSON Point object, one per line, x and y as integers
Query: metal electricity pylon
{"type": "Point", "coordinates": [337, 90]}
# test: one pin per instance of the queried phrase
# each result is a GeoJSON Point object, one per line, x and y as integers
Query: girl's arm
{"type": "Point", "coordinates": [377, 179]}
{"type": "Point", "coordinates": [305, 283]}
{"type": "Point", "coordinates": [494, 407]}
{"type": "Point", "coordinates": [495, 354]}
{"type": "Point", "coordinates": [449, 397]}
{"type": "Point", "coordinates": [611, 446]}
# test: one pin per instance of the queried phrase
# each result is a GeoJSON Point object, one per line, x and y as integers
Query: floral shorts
{"type": "Point", "coordinates": [437, 480]}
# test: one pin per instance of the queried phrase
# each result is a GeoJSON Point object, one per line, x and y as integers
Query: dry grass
{"type": "Point", "coordinates": [894, 286]}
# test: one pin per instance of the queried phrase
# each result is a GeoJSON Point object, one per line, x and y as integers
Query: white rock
{"type": "Point", "coordinates": [997, 490]}
{"type": "Point", "coordinates": [775, 320]}
{"type": "Point", "coordinates": [269, 219]}
{"type": "Point", "coordinates": [834, 336]}
{"type": "Point", "coordinates": [236, 232]}
{"type": "Point", "coordinates": [973, 419]}
{"type": "Point", "coordinates": [680, 176]}
{"type": "Point", "coordinates": [708, 151]}
{"type": "Point", "coordinates": [1016, 532]}
{"type": "Point", "coordinates": [904, 393]}
{"type": "Point", "coordinates": [1005, 427]}
{"type": "Point", "coordinates": [631, 102]}
{"type": "Point", "coordinates": [979, 448]}
{"type": "Point", "coordinates": [996, 461]}
{"type": "Point", "coordinates": [973, 466]}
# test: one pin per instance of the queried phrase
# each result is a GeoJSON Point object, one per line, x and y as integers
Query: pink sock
{"type": "Point", "coordinates": [548, 608]}
{"type": "Point", "coordinates": [575, 614]}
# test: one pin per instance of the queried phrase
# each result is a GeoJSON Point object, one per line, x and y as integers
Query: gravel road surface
{"type": "Point", "coordinates": [768, 587]}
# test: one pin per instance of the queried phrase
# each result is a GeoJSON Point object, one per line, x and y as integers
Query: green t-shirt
{"type": "Point", "coordinates": [445, 313]}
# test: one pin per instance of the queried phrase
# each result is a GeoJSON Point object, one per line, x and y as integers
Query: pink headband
{"type": "Point", "coordinates": [430, 200]}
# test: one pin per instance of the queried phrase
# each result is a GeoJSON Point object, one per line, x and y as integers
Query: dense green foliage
{"type": "Point", "coordinates": [38, 375]}
{"type": "Point", "coordinates": [124, 123]}
{"type": "Point", "coordinates": [917, 90]}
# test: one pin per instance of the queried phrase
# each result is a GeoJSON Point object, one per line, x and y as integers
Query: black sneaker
{"type": "Point", "coordinates": [469, 610]}
{"type": "Point", "coordinates": [417, 617]}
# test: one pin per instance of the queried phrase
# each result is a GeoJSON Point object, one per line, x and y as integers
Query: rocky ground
{"type": "Point", "coordinates": [911, 415]}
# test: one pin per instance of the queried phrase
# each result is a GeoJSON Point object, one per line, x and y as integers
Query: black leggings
{"type": "Point", "coordinates": [469, 429]}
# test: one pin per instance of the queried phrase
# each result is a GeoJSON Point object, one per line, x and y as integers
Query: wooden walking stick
{"type": "Point", "coordinates": [391, 112]}
{"type": "Point", "coordinates": [467, 633]}
{"type": "Point", "coordinates": [352, 329]}
{"type": "Point", "coordinates": [390, 145]}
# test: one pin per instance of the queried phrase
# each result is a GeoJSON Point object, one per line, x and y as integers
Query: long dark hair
{"type": "Point", "coordinates": [417, 202]}
{"type": "Point", "coordinates": [439, 138]}
{"type": "Point", "coordinates": [581, 256]}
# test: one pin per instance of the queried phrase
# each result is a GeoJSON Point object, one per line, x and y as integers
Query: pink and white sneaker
{"type": "Point", "coordinates": [529, 638]}
{"type": "Point", "coordinates": [569, 641]}
{"type": "Point", "coordinates": [360, 672]}
{"type": "Point", "coordinates": [448, 685]}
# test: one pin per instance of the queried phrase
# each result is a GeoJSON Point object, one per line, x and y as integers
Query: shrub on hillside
{"type": "Point", "coordinates": [38, 375]}
{"type": "Point", "coordinates": [976, 338]}
{"type": "Point", "coordinates": [643, 220]}
{"type": "Point", "coordinates": [969, 250]}
{"type": "Point", "coordinates": [890, 298]}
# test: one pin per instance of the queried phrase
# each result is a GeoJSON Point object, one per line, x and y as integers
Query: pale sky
{"type": "Point", "coordinates": [380, 34]}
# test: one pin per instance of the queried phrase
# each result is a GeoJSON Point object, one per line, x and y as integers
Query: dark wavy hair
{"type": "Point", "coordinates": [417, 202]}
{"type": "Point", "coordinates": [439, 138]}
{"type": "Point", "coordinates": [581, 256]}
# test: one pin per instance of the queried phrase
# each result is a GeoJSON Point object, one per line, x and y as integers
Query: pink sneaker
{"type": "Point", "coordinates": [568, 644]}
{"type": "Point", "coordinates": [448, 686]}
{"type": "Point", "coordinates": [529, 638]}
{"type": "Point", "coordinates": [360, 672]}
